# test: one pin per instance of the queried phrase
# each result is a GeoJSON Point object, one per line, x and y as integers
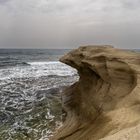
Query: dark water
{"type": "Point", "coordinates": [31, 82]}
{"type": "Point", "coordinates": [13, 57]}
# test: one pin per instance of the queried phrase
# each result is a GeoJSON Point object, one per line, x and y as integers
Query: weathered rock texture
{"type": "Point", "coordinates": [105, 102]}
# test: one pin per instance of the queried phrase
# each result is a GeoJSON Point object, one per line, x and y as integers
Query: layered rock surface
{"type": "Point", "coordinates": [105, 103]}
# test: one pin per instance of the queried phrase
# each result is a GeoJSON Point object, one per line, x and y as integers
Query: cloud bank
{"type": "Point", "coordinates": [69, 23]}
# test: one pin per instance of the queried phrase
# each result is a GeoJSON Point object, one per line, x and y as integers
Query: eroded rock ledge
{"type": "Point", "coordinates": [105, 102]}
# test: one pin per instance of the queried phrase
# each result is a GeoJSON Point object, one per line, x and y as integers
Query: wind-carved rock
{"type": "Point", "coordinates": [105, 102]}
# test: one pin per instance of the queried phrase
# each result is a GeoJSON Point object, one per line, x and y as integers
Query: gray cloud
{"type": "Point", "coordinates": [3, 1]}
{"type": "Point", "coordinates": [69, 23]}
{"type": "Point", "coordinates": [131, 5]}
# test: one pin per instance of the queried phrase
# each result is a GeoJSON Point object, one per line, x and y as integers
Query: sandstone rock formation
{"type": "Point", "coordinates": [105, 103]}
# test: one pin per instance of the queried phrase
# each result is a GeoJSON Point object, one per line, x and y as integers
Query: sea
{"type": "Point", "coordinates": [31, 84]}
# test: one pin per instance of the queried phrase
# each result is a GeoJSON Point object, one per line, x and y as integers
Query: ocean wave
{"type": "Point", "coordinates": [44, 63]}
{"type": "Point", "coordinates": [31, 106]}
{"type": "Point", "coordinates": [10, 63]}
{"type": "Point", "coordinates": [37, 69]}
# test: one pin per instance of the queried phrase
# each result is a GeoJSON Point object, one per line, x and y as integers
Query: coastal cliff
{"type": "Point", "coordinates": [105, 103]}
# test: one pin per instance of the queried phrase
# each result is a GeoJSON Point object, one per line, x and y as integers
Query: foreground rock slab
{"type": "Point", "coordinates": [105, 103]}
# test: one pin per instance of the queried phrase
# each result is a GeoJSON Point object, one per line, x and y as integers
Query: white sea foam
{"type": "Point", "coordinates": [37, 69]}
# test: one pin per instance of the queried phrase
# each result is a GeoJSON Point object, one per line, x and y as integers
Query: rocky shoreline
{"type": "Point", "coordinates": [105, 102]}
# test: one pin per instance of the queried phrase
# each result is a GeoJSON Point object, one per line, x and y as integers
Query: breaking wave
{"type": "Point", "coordinates": [30, 106]}
{"type": "Point", "coordinates": [37, 69]}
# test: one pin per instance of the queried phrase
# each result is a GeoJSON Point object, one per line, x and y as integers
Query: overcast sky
{"type": "Point", "coordinates": [69, 23]}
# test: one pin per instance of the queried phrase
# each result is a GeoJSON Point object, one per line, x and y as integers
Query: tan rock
{"type": "Point", "coordinates": [105, 102]}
